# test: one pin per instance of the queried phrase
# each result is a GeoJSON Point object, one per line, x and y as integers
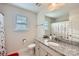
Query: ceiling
{"type": "Point", "coordinates": [56, 14]}
{"type": "Point", "coordinates": [34, 7]}
{"type": "Point", "coordinates": [64, 11]}
{"type": "Point", "coordinates": [37, 7]}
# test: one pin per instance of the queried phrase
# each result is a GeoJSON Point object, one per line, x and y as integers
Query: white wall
{"type": "Point", "coordinates": [13, 38]}
{"type": "Point", "coordinates": [40, 20]}
{"type": "Point", "coordinates": [74, 19]}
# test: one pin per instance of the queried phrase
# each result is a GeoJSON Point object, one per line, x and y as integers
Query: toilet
{"type": "Point", "coordinates": [29, 51]}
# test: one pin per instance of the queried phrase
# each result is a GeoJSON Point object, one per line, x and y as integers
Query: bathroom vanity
{"type": "Point", "coordinates": [44, 50]}
{"type": "Point", "coordinates": [63, 49]}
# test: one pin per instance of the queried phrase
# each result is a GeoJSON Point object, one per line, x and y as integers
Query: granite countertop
{"type": "Point", "coordinates": [64, 48]}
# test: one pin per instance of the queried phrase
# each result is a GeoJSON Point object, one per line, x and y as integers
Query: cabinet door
{"type": "Point", "coordinates": [49, 54]}
{"type": "Point", "coordinates": [48, 50]}
{"type": "Point", "coordinates": [43, 52]}
{"type": "Point", "coordinates": [37, 49]}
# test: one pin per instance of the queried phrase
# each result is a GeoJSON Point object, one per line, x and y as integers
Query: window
{"type": "Point", "coordinates": [21, 23]}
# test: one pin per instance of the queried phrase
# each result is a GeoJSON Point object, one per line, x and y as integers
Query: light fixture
{"type": "Point", "coordinates": [37, 4]}
{"type": "Point", "coordinates": [53, 6]}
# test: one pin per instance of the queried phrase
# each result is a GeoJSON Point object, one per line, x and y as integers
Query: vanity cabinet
{"type": "Point", "coordinates": [43, 50]}
{"type": "Point", "coordinates": [37, 49]}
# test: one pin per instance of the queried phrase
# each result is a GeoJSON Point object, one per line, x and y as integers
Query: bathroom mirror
{"type": "Point", "coordinates": [64, 23]}
{"type": "Point", "coordinates": [21, 23]}
{"type": "Point", "coordinates": [57, 18]}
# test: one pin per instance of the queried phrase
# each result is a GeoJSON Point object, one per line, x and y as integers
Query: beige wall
{"type": "Point", "coordinates": [48, 19]}
{"type": "Point", "coordinates": [74, 19]}
{"type": "Point", "coordinates": [40, 20]}
{"type": "Point", "coordinates": [13, 38]}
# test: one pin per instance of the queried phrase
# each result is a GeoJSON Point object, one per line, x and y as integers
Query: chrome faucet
{"type": "Point", "coordinates": [54, 37]}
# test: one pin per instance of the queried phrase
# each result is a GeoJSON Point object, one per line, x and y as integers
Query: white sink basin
{"type": "Point", "coordinates": [53, 43]}
{"type": "Point", "coordinates": [50, 43]}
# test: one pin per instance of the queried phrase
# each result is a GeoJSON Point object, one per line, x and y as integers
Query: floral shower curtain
{"type": "Point", "coordinates": [2, 36]}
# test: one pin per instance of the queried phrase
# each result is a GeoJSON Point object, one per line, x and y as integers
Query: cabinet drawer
{"type": "Point", "coordinates": [50, 51]}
